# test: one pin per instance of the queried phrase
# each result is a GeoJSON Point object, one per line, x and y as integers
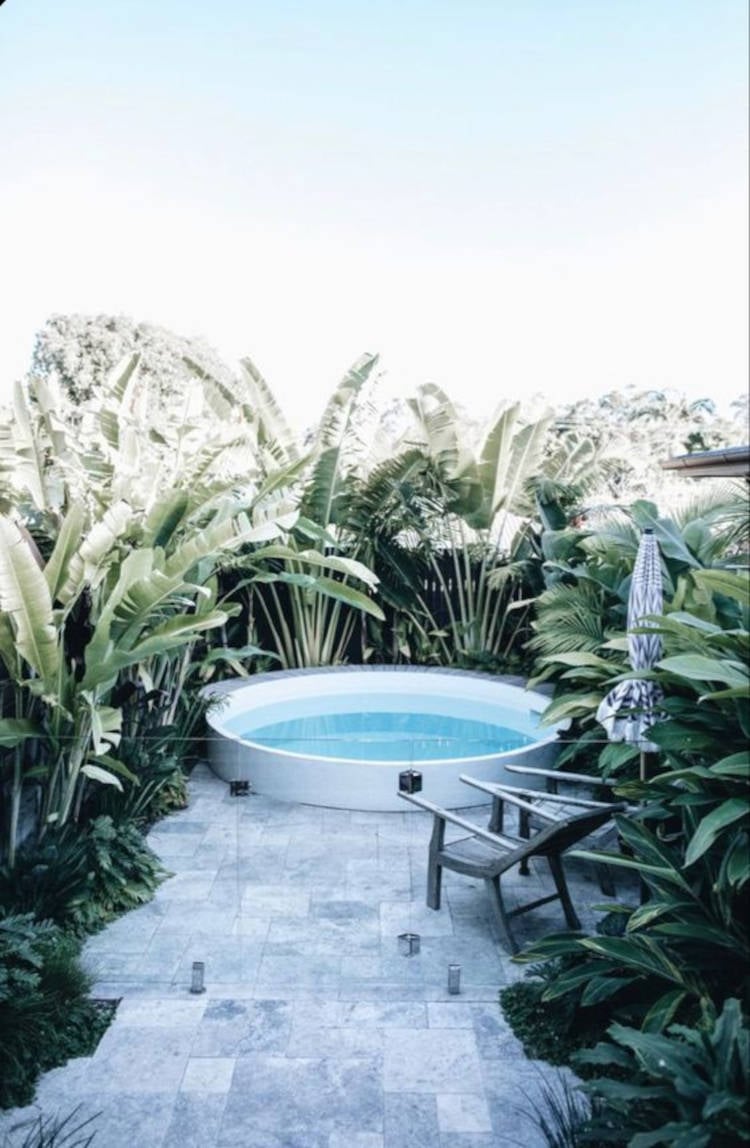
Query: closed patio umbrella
{"type": "Point", "coordinates": [627, 712]}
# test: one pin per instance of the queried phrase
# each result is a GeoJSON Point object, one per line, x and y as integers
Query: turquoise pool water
{"type": "Point", "coordinates": [387, 736]}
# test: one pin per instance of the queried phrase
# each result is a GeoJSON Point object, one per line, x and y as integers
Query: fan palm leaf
{"type": "Point", "coordinates": [570, 618]}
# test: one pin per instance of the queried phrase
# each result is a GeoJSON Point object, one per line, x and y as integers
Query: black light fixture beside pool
{"type": "Point", "coordinates": [410, 781]}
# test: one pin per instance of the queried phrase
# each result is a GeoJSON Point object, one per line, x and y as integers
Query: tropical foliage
{"type": "Point", "coordinates": [682, 956]}
{"type": "Point", "coordinates": [45, 1015]}
{"type": "Point", "coordinates": [160, 525]}
{"type": "Point", "coordinates": [580, 616]}
{"type": "Point", "coordinates": [636, 430]}
{"type": "Point", "coordinates": [103, 602]}
{"type": "Point", "coordinates": [686, 1087]}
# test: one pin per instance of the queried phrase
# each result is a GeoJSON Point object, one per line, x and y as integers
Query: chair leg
{"type": "Point", "coordinates": [558, 876]}
{"type": "Point", "coordinates": [434, 883]}
{"type": "Point", "coordinates": [498, 815]}
{"type": "Point", "coordinates": [500, 916]}
{"type": "Point", "coordinates": [434, 868]}
{"type": "Point", "coordinates": [524, 830]}
{"type": "Point", "coordinates": [606, 880]}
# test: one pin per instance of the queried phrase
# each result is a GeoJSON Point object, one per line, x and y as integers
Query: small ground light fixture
{"type": "Point", "coordinates": [198, 974]}
{"type": "Point", "coordinates": [454, 979]}
{"type": "Point", "coordinates": [408, 944]}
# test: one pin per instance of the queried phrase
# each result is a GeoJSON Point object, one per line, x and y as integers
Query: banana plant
{"type": "Point", "coordinates": [311, 617]}
{"type": "Point", "coordinates": [62, 700]}
{"type": "Point", "coordinates": [119, 596]}
{"type": "Point", "coordinates": [482, 528]}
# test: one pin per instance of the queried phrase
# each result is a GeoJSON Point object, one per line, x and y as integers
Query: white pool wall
{"type": "Point", "coordinates": [346, 783]}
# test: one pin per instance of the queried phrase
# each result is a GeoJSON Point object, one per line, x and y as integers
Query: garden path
{"type": "Point", "coordinates": [314, 1031]}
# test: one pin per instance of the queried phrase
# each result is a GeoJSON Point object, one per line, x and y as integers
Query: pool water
{"type": "Point", "coordinates": [387, 736]}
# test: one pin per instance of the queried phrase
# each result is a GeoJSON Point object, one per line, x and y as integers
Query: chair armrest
{"type": "Point", "coordinates": [499, 840]}
{"type": "Point", "coordinates": [510, 795]}
{"type": "Point", "coordinates": [561, 775]}
{"type": "Point", "coordinates": [496, 789]}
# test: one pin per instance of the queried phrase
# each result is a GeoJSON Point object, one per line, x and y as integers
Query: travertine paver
{"type": "Point", "coordinates": [314, 1031]}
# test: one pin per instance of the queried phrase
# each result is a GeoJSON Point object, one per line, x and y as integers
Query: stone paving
{"type": "Point", "coordinates": [314, 1030]}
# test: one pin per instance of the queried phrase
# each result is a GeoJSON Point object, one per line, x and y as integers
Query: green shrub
{"type": "Point", "coordinates": [548, 1030]}
{"type": "Point", "coordinates": [45, 1014]}
{"type": "Point", "coordinates": [688, 1087]}
{"type": "Point", "coordinates": [46, 878]}
{"type": "Point", "coordinates": [123, 873]}
{"type": "Point", "coordinates": [159, 787]}
{"type": "Point", "coordinates": [81, 880]}
{"type": "Point", "coordinates": [544, 1031]}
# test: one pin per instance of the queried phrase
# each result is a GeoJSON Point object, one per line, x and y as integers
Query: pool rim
{"type": "Point", "coordinates": [233, 686]}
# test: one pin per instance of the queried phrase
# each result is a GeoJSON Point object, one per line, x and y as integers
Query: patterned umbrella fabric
{"type": "Point", "coordinates": [627, 712]}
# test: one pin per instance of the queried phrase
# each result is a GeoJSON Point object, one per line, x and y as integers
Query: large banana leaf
{"type": "Point", "coordinates": [272, 425]}
{"type": "Point", "coordinates": [222, 400]}
{"type": "Point", "coordinates": [341, 565]}
{"type": "Point", "coordinates": [438, 421]}
{"type": "Point", "coordinates": [510, 456]}
{"type": "Point", "coordinates": [326, 481]}
{"type": "Point", "coordinates": [164, 518]}
{"type": "Point", "coordinates": [133, 600]}
{"type": "Point", "coordinates": [25, 598]}
{"type": "Point", "coordinates": [14, 731]}
{"type": "Point", "coordinates": [279, 479]}
{"type": "Point", "coordinates": [495, 459]}
{"type": "Point", "coordinates": [8, 647]}
{"type": "Point", "coordinates": [115, 389]}
{"type": "Point", "coordinates": [331, 588]}
{"type": "Point", "coordinates": [221, 537]}
{"type": "Point", "coordinates": [68, 540]}
{"type": "Point", "coordinates": [96, 549]}
{"type": "Point", "coordinates": [29, 469]}
{"type": "Point", "coordinates": [171, 635]}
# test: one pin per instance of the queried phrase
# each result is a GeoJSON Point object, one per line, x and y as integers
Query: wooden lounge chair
{"type": "Point", "coordinates": [555, 781]}
{"type": "Point", "coordinates": [487, 854]}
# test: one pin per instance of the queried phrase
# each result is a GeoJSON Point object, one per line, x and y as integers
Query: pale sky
{"type": "Point", "coordinates": [504, 197]}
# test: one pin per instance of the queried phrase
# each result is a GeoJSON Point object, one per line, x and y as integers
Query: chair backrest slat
{"type": "Point", "coordinates": [565, 832]}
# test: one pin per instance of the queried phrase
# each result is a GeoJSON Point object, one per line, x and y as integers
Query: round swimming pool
{"type": "Point", "coordinates": [340, 737]}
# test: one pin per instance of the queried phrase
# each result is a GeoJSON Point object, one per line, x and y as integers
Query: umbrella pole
{"type": "Point", "coordinates": [643, 765]}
